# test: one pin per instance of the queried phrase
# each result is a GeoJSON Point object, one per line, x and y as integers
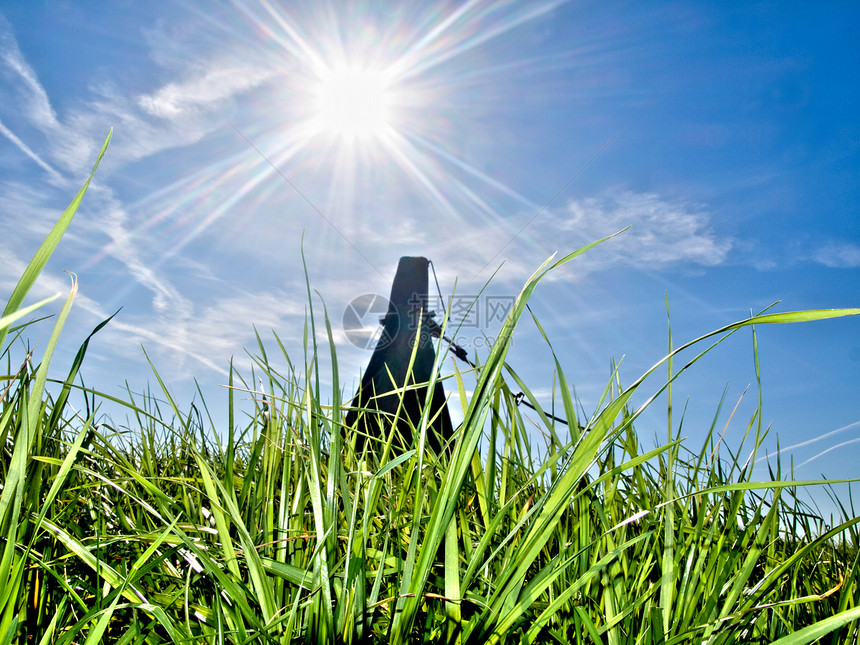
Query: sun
{"type": "Point", "coordinates": [353, 103]}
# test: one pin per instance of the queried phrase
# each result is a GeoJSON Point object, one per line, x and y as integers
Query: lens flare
{"type": "Point", "coordinates": [348, 109]}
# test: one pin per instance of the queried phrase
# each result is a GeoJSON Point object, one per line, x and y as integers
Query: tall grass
{"type": "Point", "coordinates": [269, 527]}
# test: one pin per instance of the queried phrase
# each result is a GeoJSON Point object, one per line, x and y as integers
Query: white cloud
{"type": "Point", "coordinates": [186, 336]}
{"type": "Point", "coordinates": [113, 222]}
{"type": "Point", "coordinates": [830, 449]}
{"type": "Point", "coordinates": [179, 113]}
{"type": "Point", "coordinates": [176, 115]}
{"type": "Point", "coordinates": [820, 437]}
{"type": "Point", "coordinates": [208, 335]}
{"type": "Point", "coordinates": [661, 232]}
{"type": "Point", "coordinates": [841, 255]}
{"type": "Point", "coordinates": [802, 449]}
{"type": "Point", "coordinates": [23, 147]}
{"type": "Point", "coordinates": [37, 106]}
{"type": "Point", "coordinates": [173, 326]}
{"type": "Point", "coordinates": [30, 97]}
{"type": "Point", "coordinates": [27, 212]}
{"type": "Point", "coordinates": [203, 90]}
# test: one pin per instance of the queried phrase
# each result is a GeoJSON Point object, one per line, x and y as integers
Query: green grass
{"type": "Point", "coordinates": [268, 527]}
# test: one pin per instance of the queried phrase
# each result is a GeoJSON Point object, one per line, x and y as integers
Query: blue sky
{"type": "Point", "coordinates": [725, 135]}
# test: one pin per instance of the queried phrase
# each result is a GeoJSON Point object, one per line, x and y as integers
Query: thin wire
{"type": "Point", "coordinates": [438, 288]}
{"type": "Point", "coordinates": [459, 352]}
{"type": "Point", "coordinates": [436, 330]}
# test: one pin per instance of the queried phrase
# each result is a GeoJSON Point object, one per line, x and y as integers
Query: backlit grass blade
{"type": "Point", "coordinates": [44, 252]}
{"type": "Point", "coordinates": [7, 320]}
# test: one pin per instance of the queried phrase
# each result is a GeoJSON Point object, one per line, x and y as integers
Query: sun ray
{"type": "Point", "coordinates": [348, 106]}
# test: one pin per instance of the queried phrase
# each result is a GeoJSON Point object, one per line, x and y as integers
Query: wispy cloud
{"type": "Point", "coordinates": [807, 449]}
{"type": "Point", "coordinates": [661, 232]}
{"type": "Point", "coordinates": [211, 335]}
{"type": "Point", "coordinates": [817, 438]}
{"type": "Point", "coordinates": [204, 90]}
{"type": "Point", "coordinates": [30, 97]}
{"type": "Point", "coordinates": [29, 211]}
{"type": "Point", "coordinates": [23, 147]}
{"type": "Point", "coordinates": [186, 337]}
{"type": "Point", "coordinates": [824, 452]}
{"type": "Point", "coordinates": [178, 113]}
{"type": "Point", "coordinates": [838, 255]}
{"type": "Point", "coordinates": [36, 104]}
{"type": "Point", "coordinates": [114, 222]}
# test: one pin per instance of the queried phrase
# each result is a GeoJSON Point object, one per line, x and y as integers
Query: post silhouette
{"type": "Point", "coordinates": [407, 322]}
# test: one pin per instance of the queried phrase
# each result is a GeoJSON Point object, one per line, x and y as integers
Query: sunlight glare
{"type": "Point", "coordinates": [353, 103]}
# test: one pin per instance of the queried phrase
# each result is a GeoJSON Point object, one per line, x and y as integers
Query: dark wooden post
{"type": "Point", "coordinates": [408, 321]}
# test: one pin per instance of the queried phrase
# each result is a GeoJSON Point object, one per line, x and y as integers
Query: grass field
{"type": "Point", "coordinates": [268, 527]}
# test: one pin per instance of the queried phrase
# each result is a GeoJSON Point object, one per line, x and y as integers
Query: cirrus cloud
{"type": "Point", "coordinates": [843, 255]}
{"type": "Point", "coordinates": [660, 231]}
